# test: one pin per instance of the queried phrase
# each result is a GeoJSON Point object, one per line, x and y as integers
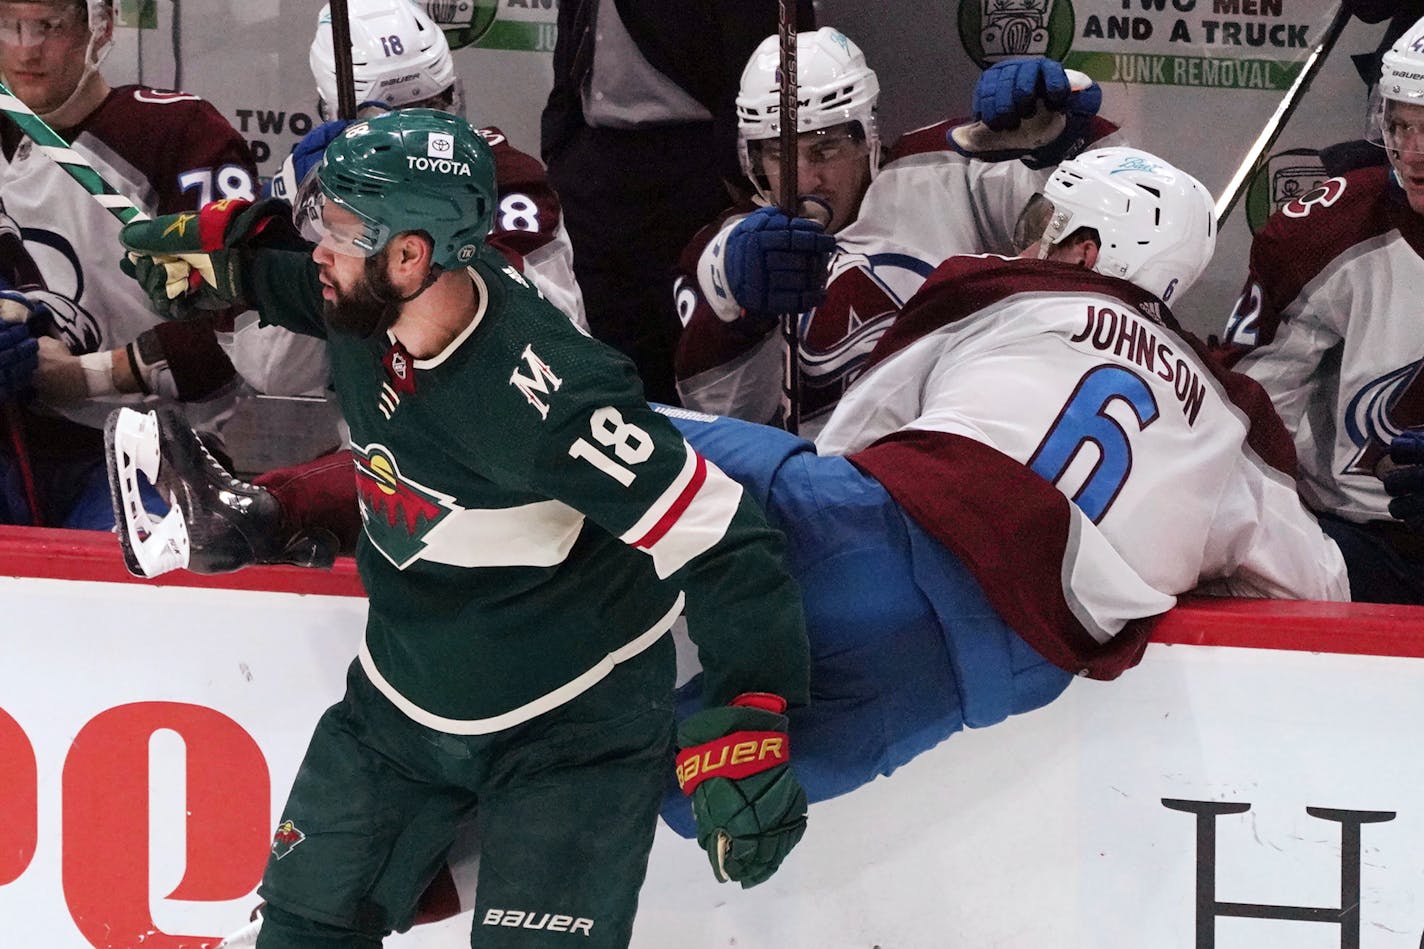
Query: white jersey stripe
{"type": "Point", "coordinates": [700, 524]}
{"type": "Point", "coordinates": [544, 703]}
{"type": "Point", "coordinates": [659, 508]}
{"type": "Point", "coordinates": [540, 534]}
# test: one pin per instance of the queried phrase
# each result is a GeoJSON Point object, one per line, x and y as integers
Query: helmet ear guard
{"type": "Point", "coordinates": [1156, 224]}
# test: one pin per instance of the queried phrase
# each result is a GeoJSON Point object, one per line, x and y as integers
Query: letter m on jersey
{"type": "Point", "coordinates": [538, 382]}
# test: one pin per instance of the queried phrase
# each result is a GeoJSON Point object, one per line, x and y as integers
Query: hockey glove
{"type": "Point", "coordinates": [305, 156]}
{"type": "Point", "coordinates": [777, 264]}
{"type": "Point", "coordinates": [191, 262]}
{"type": "Point", "coordinates": [1403, 476]}
{"type": "Point", "coordinates": [21, 320]}
{"type": "Point", "coordinates": [1010, 123]}
{"type": "Point", "coordinates": [749, 807]}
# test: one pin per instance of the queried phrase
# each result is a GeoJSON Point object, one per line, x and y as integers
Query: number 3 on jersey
{"type": "Point", "coordinates": [628, 442]}
{"type": "Point", "coordinates": [1083, 420]}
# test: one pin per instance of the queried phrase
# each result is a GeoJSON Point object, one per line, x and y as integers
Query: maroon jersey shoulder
{"type": "Point", "coordinates": [529, 212]}
{"type": "Point", "coordinates": [185, 149]}
{"type": "Point", "coordinates": [964, 285]}
{"type": "Point", "coordinates": [1308, 232]}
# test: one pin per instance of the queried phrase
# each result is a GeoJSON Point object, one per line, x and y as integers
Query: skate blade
{"type": "Point", "coordinates": [151, 546]}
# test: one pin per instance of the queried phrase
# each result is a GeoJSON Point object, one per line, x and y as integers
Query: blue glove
{"type": "Point", "coordinates": [1404, 478]}
{"type": "Point", "coordinates": [19, 353]}
{"type": "Point", "coordinates": [305, 156]}
{"type": "Point", "coordinates": [1010, 91]}
{"type": "Point", "coordinates": [777, 264]}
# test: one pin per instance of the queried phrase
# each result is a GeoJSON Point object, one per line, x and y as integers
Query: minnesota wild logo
{"type": "Point", "coordinates": [991, 30]}
{"type": "Point", "coordinates": [286, 837]}
{"type": "Point", "coordinates": [398, 513]}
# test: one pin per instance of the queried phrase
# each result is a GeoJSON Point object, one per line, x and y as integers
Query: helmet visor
{"type": "Point", "coordinates": [814, 150]}
{"type": "Point", "coordinates": [31, 24]}
{"type": "Point", "coordinates": [1400, 128]}
{"type": "Point", "coordinates": [324, 219]}
{"type": "Point", "coordinates": [1040, 222]}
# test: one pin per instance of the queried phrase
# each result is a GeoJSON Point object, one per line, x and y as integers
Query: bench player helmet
{"type": "Point", "coordinates": [1155, 223]}
{"type": "Point", "coordinates": [1401, 80]}
{"type": "Point", "coordinates": [399, 58]}
{"type": "Point", "coordinates": [418, 170]}
{"type": "Point", "coordinates": [834, 86]}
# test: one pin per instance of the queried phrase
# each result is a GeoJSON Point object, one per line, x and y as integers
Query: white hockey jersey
{"type": "Point", "coordinates": [926, 204]}
{"type": "Point", "coordinates": [1008, 387]}
{"type": "Point", "coordinates": [1329, 324]}
{"type": "Point", "coordinates": [167, 151]}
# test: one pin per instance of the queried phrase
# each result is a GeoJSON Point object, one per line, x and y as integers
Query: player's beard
{"type": "Point", "coordinates": [369, 307]}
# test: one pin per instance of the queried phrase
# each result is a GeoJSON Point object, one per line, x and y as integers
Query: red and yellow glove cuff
{"type": "Point", "coordinates": [739, 754]}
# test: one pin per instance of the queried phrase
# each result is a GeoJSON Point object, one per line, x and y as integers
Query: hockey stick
{"type": "Point", "coordinates": [1256, 156]}
{"type": "Point", "coordinates": [790, 322]}
{"type": "Point", "coordinates": [345, 70]}
{"type": "Point", "coordinates": [73, 163]}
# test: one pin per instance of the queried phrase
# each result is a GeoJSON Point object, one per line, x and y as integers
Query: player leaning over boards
{"type": "Point", "coordinates": [532, 529]}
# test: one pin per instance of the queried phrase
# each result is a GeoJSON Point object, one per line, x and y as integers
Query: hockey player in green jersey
{"type": "Point", "coordinates": [532, 529]}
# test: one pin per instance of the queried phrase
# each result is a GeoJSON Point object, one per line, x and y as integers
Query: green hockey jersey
{"type": "Point", "coordinates": [529, 521]}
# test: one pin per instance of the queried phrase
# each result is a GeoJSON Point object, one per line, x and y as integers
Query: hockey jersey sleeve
{"type": "Point", "coordinates": [529, 226]}
{"type": "Point", "coordinates": [283, 287]}
{"type": "Point", "coordinates": [208, 161]}
{"type": "Point", "coordinates": [1281, 328]}
{"type": "Point", "coordinates": [603, 451]}
{"type": "Point", "coordinates": [721, 366]}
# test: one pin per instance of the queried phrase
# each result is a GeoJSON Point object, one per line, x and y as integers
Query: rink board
{"type": "Point", "coordinates": [1258, 771]}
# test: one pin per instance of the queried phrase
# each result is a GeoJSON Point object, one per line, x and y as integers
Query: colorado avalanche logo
{"type": "Point", "coordinates": [398, 513]}
{"type": "Point", "coordinates": [863, 297]}
{"type": "Point", "coordinates": [1380, 411]}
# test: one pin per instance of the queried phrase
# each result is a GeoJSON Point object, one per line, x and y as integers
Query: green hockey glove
{"type": "Point", "coordinates": [192, 262]}
{"type": "Point", "coordinates": [734, 764]}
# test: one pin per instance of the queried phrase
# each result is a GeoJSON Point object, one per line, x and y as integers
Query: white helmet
{"type": "Point", "coordinates": [833, 86]}
{"type": "Point", "coordinates": [399, 56]}
{"type": "Point", "coordinates": [1402, 68]}
{"type": "Point", "coordinates": [1401, 80]}
{"type": "Point", "coordinates": [1156, 224]}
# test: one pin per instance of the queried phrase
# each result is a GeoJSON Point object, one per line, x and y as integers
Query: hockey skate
{"type": "Point", "coordinates": [216, 523]}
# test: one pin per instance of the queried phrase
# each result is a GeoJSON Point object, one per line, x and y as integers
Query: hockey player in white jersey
{"type": "Point", "coordinates": [888, 226]}
{"type": "Point", "coordinates": [1328, 324]}
{"type": "Point", "coordinates": [99, 342]}
{"type": "Point", "coordinates": [1017, 386]}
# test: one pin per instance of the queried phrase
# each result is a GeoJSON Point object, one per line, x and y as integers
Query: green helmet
{"type": "Point", "coordinates": [410, 170]}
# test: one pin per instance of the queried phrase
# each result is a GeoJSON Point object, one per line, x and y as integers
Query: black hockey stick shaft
{"type": "Point", "coordinates": [1257, 156]}
{"type": "Point", "coordinates": [790, 159]}
{"type": "Point", "coordinates": [345, 71]}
